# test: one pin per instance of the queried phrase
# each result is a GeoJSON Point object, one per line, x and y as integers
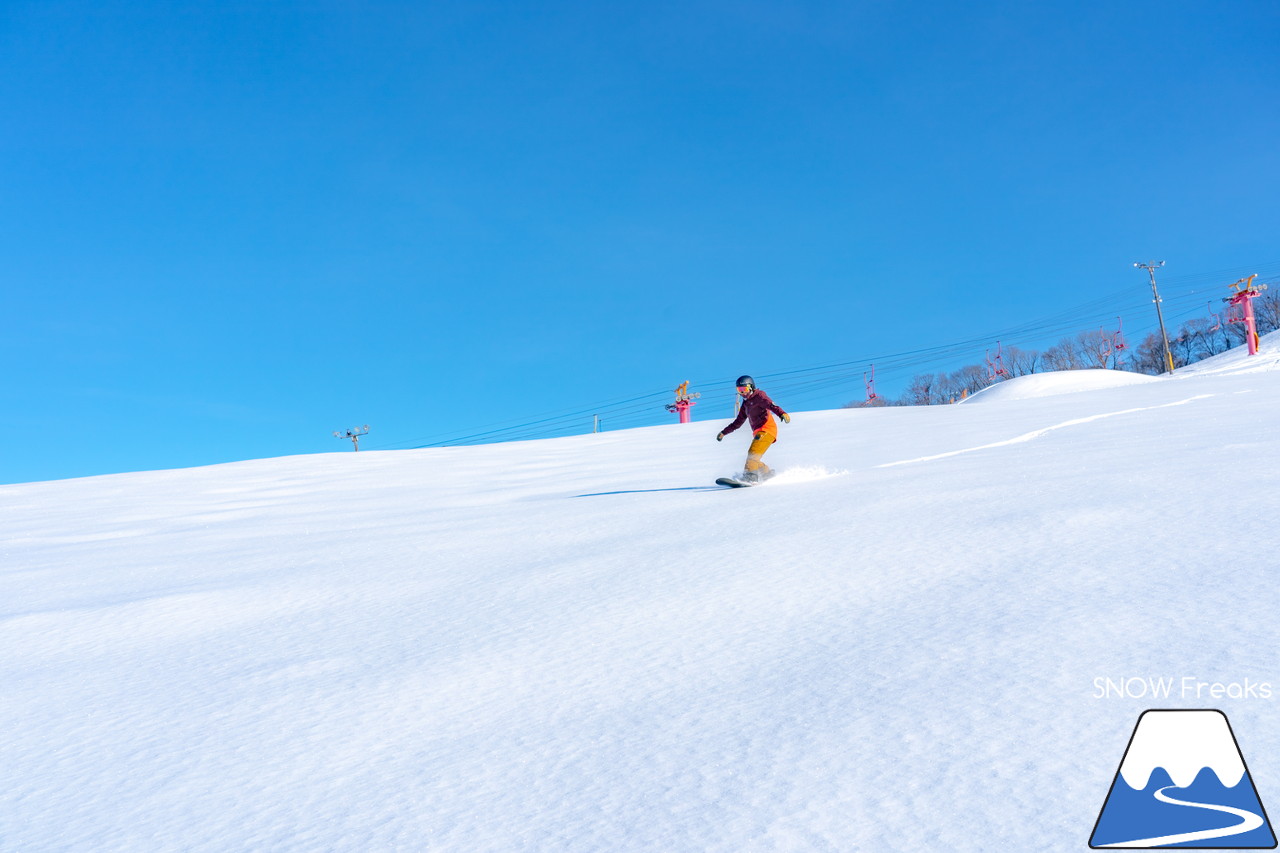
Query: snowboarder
{"type": "Point", "coordinates": [757, 407]}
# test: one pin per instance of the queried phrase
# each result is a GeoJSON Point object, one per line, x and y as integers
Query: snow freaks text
{"type": "Point", "coordinates": [1185, 687]}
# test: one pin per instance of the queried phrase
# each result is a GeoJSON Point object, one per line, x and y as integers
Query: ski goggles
{"type": "Point", "coordinates": [745, 389]}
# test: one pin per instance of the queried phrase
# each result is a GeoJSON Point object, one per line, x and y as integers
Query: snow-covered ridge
{"type": "Point", "coordinates": [1036, 385]}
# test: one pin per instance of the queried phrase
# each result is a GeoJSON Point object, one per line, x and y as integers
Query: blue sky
{"type": "Point", "coordinates": [230, 229]}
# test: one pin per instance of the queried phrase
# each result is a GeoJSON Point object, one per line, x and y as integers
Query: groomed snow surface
{"type": "Point", "coordinates": [581, 645]}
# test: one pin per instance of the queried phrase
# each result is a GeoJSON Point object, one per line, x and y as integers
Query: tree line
{"type": "Point", "coordinates": [1197, 339]}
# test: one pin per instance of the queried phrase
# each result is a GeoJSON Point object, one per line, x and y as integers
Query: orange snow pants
{"type": "Point", "coordinates": [759, 444]}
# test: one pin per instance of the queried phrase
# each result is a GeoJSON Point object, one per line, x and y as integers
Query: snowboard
{"type": "Point", "coordinates": [734, 483]}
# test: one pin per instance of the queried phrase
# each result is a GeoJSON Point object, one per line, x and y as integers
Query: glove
{"type": "Point", "coordinates": [719, 436]}
{"type": "Point", "coordinates": [786, 419]}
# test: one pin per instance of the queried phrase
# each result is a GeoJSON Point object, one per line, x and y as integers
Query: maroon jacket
{"type": "Point", "coordinates": [757, 407]}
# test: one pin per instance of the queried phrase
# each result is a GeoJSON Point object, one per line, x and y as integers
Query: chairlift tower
{"type": "Point", "coordinates": [1245, 293]}
{"type": "Point", "coordinates": [684, 402]}
{"type": "Point", "coordinates": [354, 434]}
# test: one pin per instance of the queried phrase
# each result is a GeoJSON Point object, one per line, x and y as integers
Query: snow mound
{"type": "Point", "coordinates": [1060, 382]}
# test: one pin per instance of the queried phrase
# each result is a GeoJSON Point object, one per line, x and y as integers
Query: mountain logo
{"type": "Point", "coordinates": [1183, 783]}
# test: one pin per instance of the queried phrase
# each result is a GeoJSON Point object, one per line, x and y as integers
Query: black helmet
{"type": "Point", "coordinates": [745, 380]}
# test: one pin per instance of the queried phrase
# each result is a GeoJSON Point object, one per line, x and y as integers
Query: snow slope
{"type": "Point", "coordinates": [578, 645]}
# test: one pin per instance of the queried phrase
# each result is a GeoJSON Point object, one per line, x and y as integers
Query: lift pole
{"type": "Point", "coordinates": [1246, 292]}
{"type": "Point", "coordinates": [354, 434]}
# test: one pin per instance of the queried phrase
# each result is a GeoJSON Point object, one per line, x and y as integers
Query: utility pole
{"type": "Point", "coordinates": [1151, 268]}
{"type": "Point", "coordinates": [354, 434]}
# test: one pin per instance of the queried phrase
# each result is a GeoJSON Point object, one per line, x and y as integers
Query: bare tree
{"type": "Point", "coordinates": [1184, 347]}
{"type": "Point", "coordinates": [968, 380]}
{"type": "Point", "coordinates": [1148, 356]}
{"type": "Point", "coordinates": [1059, 357]}
{"type": "Point", "coordinates": [1204, 339]}
{"type": "Point", "coordinates": [921, 390]}
{"type": "Point", "coordinates": [1267, 310]}
{"type": "Point", "coordinates": [946, 388]}
{"type": "Point", "coordinates": [1021, 362]}
{"type": "Point", "coordinates": [1083, 351]}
